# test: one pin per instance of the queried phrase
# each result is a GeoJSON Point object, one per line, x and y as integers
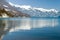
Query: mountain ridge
{"type": "Point", "coordinates": [8, 9]}
{"type": "Point", "coordinates": [36, 12]}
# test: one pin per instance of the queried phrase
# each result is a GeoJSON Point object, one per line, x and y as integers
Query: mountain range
{"type": "Point", "coordinates": [10, 11]}
{"type": "Point", "coordinates": [36, 12]}
{"type": "Point", "coordinates": [27, 10]}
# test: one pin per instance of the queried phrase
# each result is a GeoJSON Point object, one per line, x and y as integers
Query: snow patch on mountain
{"type": "Point", "coordinates": [36, 12]}
{"type": "Point", "coordinates": [21, 6]}
{"type": "Point", "coordinates": [46, 10]}
{"type": "Point", "coordinates": [11, 4]}
{"type": "Point", "coordinates": [5, 5]}
{"type": "Point", "coordinates": [28, 7]}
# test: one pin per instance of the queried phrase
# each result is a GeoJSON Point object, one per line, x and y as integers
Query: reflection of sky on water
{"type": "Point", "coordinates": [32, 29]}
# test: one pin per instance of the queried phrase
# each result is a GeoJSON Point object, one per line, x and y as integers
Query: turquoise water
{"type": "Point", "coordinates": [31, 28]}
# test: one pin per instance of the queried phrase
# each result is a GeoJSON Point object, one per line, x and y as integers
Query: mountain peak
{"type": "Point", "coordinates": [36, 12]}
{"type": "Point", "coordinates": [46, 10]}
{"type": "Point", "coordinates": [28, 7]}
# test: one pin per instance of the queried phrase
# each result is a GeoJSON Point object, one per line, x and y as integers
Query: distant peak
{"type": "Point", "coordinates": [46, 10]}
{"type": "Point", "coordinates": [28, 7]}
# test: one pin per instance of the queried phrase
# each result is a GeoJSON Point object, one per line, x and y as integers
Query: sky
{"type": "Point", "coordinates": [47, 4]}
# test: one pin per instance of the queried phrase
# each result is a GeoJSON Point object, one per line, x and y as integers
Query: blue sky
{"type": "Point", "coordinates": [49, 4]}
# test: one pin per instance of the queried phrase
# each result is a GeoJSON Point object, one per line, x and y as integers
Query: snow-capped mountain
{"type": "Point", "coordinates": [8, 10]}
{"type": "Point", "coordinates": [27, 11]}
{"type": "Point", "coordinates": [36, 12]}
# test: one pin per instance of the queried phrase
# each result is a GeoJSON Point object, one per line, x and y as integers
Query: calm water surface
{"type": "Point", "coordinates": [31, 28]}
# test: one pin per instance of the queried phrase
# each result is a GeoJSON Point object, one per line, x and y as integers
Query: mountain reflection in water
{"type": "Point", "coordinates": [31, 28]}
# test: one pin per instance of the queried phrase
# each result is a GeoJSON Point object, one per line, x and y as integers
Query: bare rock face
{"type": "Point", "coordinates": [4, 13]}
{"type": "Point", "coordinates": [6, 10]}
{"type": "Point", "coordinates": [11, 11]}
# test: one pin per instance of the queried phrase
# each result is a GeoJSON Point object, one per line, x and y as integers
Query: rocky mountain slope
{"type": "Point", "coordinates": [36, 12]}
{"type": "Point", "coordinates": [13, 10]}
{"type": "Point", "coordinates": [6, 10]}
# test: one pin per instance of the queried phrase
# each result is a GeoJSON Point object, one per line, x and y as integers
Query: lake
{"type": "Point", "coordinates": [30, 28]}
